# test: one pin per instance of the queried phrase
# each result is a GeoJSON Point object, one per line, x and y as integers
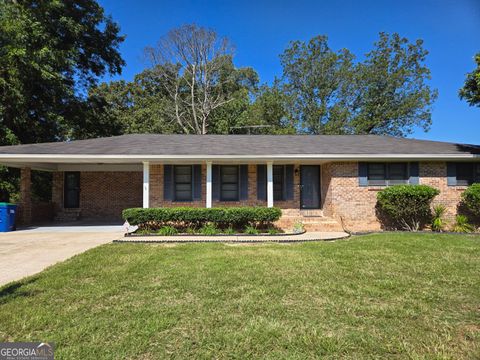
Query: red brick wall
{"type": "Point", "coordinates": [103, 195]}
{"type": "Point", "coordinates": [435, 175]}
{"type": "Point", "coordinates": [355, 205]}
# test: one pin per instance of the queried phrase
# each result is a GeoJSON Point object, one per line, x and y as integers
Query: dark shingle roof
{"type": "Point", "coordinates": [152, 144]}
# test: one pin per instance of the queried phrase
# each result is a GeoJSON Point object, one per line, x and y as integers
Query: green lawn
{"type": "Point", "coordinates": [376, 296]}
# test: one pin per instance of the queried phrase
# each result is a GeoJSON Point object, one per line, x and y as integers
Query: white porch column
{"type": "Point", "coordinates": [146, 184]}
{"type": "Point", "coordinates": [209, 184]}
{"type": "Point", "coordinates": [270, 184]}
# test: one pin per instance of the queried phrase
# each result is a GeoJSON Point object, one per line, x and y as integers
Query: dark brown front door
{"type": "Point", "coordinates": [309, 186]}
{"type": "Point", "coordinates": [71, 198]}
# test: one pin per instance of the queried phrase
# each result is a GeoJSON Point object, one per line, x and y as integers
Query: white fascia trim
{"type": "Point", "coordinates": [62, 158]}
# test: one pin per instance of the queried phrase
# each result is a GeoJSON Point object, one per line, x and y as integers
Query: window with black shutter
{"type": "Point", "coordinates": [387, 173]}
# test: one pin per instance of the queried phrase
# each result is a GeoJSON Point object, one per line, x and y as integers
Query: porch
{"type": "Point", "coordinates": [102, 191]}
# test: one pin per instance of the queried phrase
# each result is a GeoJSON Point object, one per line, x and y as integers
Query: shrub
{"type": "Point", "coordinates": [437, 220]}
{"type": "Point", "coordinates": [471, 199]}
{"type": "Point", "coordinates": [237, 217]}
{"type": "Point", "coordinates": [462, 225]}
{"type": "Point", "coordinates": [167, 231]}
{"type": "Point", "coordinates": [407, 206]}
{"type": "Point", "coordinates": [209, 229]}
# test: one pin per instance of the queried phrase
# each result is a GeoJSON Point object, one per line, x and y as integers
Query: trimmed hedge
{"type": "Point", "coordinates": [238, 217]}
{"type": "Point", "coordinates": [471, 199]}
{"type": "Point", "coordinates": [407, 206]}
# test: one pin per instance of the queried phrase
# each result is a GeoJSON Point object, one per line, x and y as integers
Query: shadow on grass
{"type": "Point", "coordinates": [16, 290]}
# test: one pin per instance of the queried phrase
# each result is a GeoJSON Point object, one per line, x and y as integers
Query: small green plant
{"type": "Point", "coordinates": [229, 231]}
{"type": "Point", "coordinates": [143, 232]}
{"type": "Point", "coordinates": [437, 219]}
{"type": "Point", "coordinates": [209, 229]}
{"type": "Point", "coordinates": [251, 230]}
{"type": "Point", "coordinates": [462, 225]}
{"type": "Point", "coordinates": [190, 230]}
{"type": "Point", "coordinates": [273, 231]}
{"type": "Point", "coordinates": [167, 231]}
{"type": "Point", "coordinates": [298, 228]}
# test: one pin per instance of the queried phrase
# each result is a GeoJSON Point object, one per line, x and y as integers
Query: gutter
{"type": "Point", "coordinates": [121, 158]}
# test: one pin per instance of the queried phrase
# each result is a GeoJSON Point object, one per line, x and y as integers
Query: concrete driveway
{"type": "Point", "coordinates": [28, 251]}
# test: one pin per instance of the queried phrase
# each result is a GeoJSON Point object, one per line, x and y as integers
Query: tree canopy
{"type": "Point", "coordinates": [471, 89]}
{"type": "Point", "coordinates": [52, 51]}
{"type": "Point", "coordinates": [328, 92]}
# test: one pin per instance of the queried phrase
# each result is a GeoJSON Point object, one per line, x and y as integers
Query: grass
{"type": "Point", "coordinates": [375, 296]}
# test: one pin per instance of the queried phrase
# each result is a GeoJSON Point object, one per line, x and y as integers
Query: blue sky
{"type": "Point", "coordinates": [260, 31]}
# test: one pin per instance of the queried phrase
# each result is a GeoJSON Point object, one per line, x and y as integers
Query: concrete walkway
{"type": "Point", "coordinates": [308, 236]}
{"type": "Point", "coordinates": [26, 252]}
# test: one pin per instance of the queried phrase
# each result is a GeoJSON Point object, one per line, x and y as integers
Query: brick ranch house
{"type": "Point", "coordinates": [328, 182]}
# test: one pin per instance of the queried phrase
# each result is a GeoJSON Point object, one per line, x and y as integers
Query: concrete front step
{"type": "Point", "coordinates": [312, 220]}
{"type": "Point", "coordinates": [68, 215]}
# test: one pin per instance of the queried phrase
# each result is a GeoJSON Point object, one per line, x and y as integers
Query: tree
{"type": "Point", "coordinates": [144, 105]}
{"type": "Point", "coordinates": [267, 114]}
{"type": "Point", "coordinates": [51, 52]}
{"type": "Point", "coordinates": [393, 96]}
{"type": "Point", "coordinates": [191, 61]}
{"type": "Point", "coordinates": [386, 94]}
{"type": "Point", "coordinates": [471, 89]}
{"type": "Point", "coordinates": [318, 84]}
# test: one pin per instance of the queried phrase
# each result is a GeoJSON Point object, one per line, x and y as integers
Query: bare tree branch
{"type": "Point", "coordinates": [189, 59]}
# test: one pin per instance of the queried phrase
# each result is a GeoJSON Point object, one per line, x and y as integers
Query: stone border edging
{"type": "Point", "coordinates": [238, 239]}
{"type": "Point", "coordinates": [215, 235]}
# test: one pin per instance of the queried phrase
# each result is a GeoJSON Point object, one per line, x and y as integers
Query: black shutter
{"type": "Point", "coordinates": [197, 182]}
{"type": "Point", "coordinates": [262, 182]}
{"type": "Point", "coordinates": [414, 173]}
{"type": "Point", "coordinates": [451, 174]}
{"type": "Point", "coordinates": [215, 182]}
{"type": "Point", "coordinates": [243, 182]}
{"type": "Point", "coordinates": [168, 182]}
{"type": "Point", "coordinates": [288, 182]}
{"type": "Point", "coordinates": [362, 174]}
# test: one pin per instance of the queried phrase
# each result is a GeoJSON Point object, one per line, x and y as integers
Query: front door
{"type": "Point", "coordinates": [309, 186]}
{"type": "Point", "coordinates": [71, 198]}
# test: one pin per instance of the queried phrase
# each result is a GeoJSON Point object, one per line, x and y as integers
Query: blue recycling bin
{"type": "Point", "coordinates": [7, 216]}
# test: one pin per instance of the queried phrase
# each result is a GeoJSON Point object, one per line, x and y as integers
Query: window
{"type": "Point", "coordinates": [229, 189]}
{"type": "Point", "coordinates": [278, 182]}
{"type": "Point", "coordinates": [183, 183]}
{"type": "Point", "coordinates": [387, 173]}
{"type": "Point", "coordinates": [377, 174]}
{"type": "Point", "coordinates": [397, 173]}
{"type": "Point", "coordinates": [468, 173]}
